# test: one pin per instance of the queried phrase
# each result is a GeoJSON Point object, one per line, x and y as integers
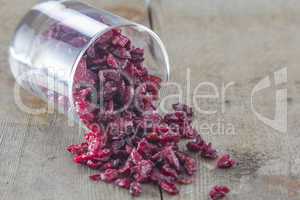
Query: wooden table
{"type": "Point", "coordinates": [212, 41]}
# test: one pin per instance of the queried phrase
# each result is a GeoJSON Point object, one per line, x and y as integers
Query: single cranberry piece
{"type": "Point", "coordinates": [226, 162]}
{"type": "Point", "coordinates": [219, 192]}
{"type": "Point", "coordinates": [96, 177]}
{"type": "Point", "coordinates": [109, 175]}
{"type": "Point", "coordinates": [170, 137]}
{"type": "Point", "coordinates": [137, 54]}
{"type": "Point", "coordinates": [135, 156]}
{"type": "Point", "coordinates": [168, 171]}
{"type": "Point", "coordinates": [126, 169]}
{"type": "Point", "coordinates": [102, 155]}
{"type": "Point", "coordinates": [107, 165]}
{"type": "Point", "coordinates": [157, 177]}
{"type": "Point", "coordinates": [78, 149]}
{"type": "Point", "coordinates": [123, 183]}
{"type": "Point", "coordinates": [144, 147]}
{"type": "Point", "coordinates": [143, 170]}
{"type": "Point", "coordinates": [111, 61]}
{"type": "Point", "coordinates": [93, 164]}
{"type": "Point", "coordinates": [135, 189]}
{"type": "Point", "coordinates": [196, 145]}
{"type": "Point", "coordinates": [170, 188]}
{"type": "Point", "coordinates": [120, 40]}
{"type": "Point", "coordinates": [153, 137]}
{"type": "Point", "coordinates": [184, 180]}
{"type": "Point", "coordinates": [170, 156]}
{"type": "Point", "coordinates": [154, 79]}
{"type": "Point", "coordinates": [190, 165]}
{"type": "Point", "coordinates": [208, 152]}
{"type": "Point", "coordinates": [184, 108]}
{"type": "Point", "coordinates": [81, 159]}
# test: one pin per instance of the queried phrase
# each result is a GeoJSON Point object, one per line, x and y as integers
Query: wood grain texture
{"type": "Point", "coordinates": [240, 42]}
{"type": "Point", "coordinates": [34, 163]}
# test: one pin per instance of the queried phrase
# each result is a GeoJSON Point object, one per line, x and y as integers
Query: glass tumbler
{"type": "Point", "coordinates": [51, 39]}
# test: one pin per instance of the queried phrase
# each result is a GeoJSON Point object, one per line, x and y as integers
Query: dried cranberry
{"type": "Point", "coordinates": [135, 189]}
{"type": "Point", "coordinates": [78, 149]}
{"type": "Point", "coordinates": [196, 145]}
{"type": "Point", "coordinates": [219, 192]}
{"type": "Point", "coordinates": [123, 183]}
{"type": "Point", "coordinates": [171, 157]}
{"type": "Point", "coordinates": [128, 141]}
{"type": "Point", "coordinates": [157, 177]}
{"type": "Point", "coordinates": [126, 169]}
{"type": "Point", "coordinates": [184, 180]}
{"type": "Point", "coordinates": [81, 159]}
{"type": "Point", "coordinates": [188, 162]}
{"type": "Point", "coordinates": [96, 177]}
{"type": "Point", "coordinates": [111, 61]}
{"type": "Point", "coordinates": [143, 170]}
{"type": "Point", "coordinates": [137, 54]}
{"type": "Point", "coordinates": [225, 162]}
{"type": "Point", "coordinates": [144, 147]}
{"type": "Point", "coordinates": [184, 108]}
{"type": "Point", "coordinates": [153, 137]}
{"type": "Point", "coordinates": [94, 164]}
{"type": "Point", "coordinates": [135, 156]}
{"type": "Point", "coordinates": [120, 40]}
{"type": "Point", "coordinates": [109, 175]}
{"type": "Point", "coordinates": [168, 171]}
{"type": "Point", "coordinates": [208, 152]}
{"type": "Point", "coordinates": [170, 188]}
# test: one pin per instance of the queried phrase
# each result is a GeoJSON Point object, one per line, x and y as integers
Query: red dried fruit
{"type": "Point", "coordinates": [137, 54]}
{"type": "Point", "coordinates": [153, 137]}
{"type": "Point", "coordinates": [226, 162]}
{"type": "Point", "coordinates": [109, 175]}
{"type": "Point", "coordinates": [170, 188]}
{"type": "Point", "coordinates": [219, 192]}
{"type": "Point", "coordinates": [135, 156]}
{"type": "Point", "coordinates": [171, 157]}
{"type": "Point", "coordinates": [184, 180]}
{"type": "Point", "coordinates": [129, 142]}
{"type": "Point", "coordinates": [170, 137]}
{"type": "Point", "coordinates": [120, 40]}
{"type": "Point", "coordinates": [81, 159]}
{"type": "Point", "coordinates": [94, 164]}
{"type": "Point", "coordinates": [135, 189]}
{"type": "Point", "coordinates": [96, 177]}
{"type": "Point", "coordinates": [111, 61]}
{"type": "Point", "coordinates": [156, 176]}
{"type": "Point", "coordinates": [126, 169]}
{"type": "Point", "coordinates": [145, 148]}
{"type": "Point", "coordinates": [108, 165]}
{"type": "Point", "coordinates": [196, 145]}
{"type": "Point", "coordinates": [102, 155]}
{"type": "Point", "coordinates": [168, 171]}
{"type": "Point", "coordinates": [123, 183]}
{"type": "Point", "coordinates": [190, 165]}
{"type": "Point", "coordinates": [188, 162]}
{"type": "Point", "coordinates": [78, 149]}
{"type": "Point", "coordinates": [208, 152]}
{"type": "Point", "coordinates": [143, 170]}
{"type": "Point", "coordinates": [184, 108]}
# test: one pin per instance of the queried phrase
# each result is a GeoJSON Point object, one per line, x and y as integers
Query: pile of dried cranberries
{"type": "Point", "coordinates": [129, 143]}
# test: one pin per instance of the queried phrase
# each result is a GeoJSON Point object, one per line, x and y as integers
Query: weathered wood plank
{"type": "Point", "coordinates": [34, 163]}
{"type": "Point", "coordinates": [241, 42]}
